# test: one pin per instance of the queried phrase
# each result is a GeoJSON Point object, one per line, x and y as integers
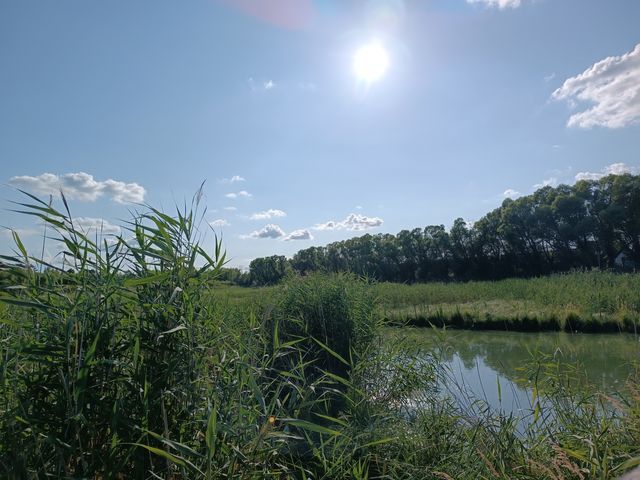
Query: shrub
{"type": "Point", "coordinates": [333, 316]}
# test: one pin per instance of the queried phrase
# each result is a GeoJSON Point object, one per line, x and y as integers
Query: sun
{"type": "Point", "coordinates": [370, 62]}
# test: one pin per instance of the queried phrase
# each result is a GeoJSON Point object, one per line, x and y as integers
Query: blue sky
{"type": "Point", "coordinates": [122, 102]}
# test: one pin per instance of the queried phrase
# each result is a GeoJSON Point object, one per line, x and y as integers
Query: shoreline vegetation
{"type": "Point", "coordinates": [133, 361]}
{"type": "Point", "coordinates": [584, 302]}
{"type": "Point", "coordinates": [579, 302]}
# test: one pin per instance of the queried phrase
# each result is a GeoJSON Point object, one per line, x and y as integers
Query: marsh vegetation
{"type": "Point", "coordinates": [129, 359]}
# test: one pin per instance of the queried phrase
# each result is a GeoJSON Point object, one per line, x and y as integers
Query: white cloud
{"type": "Point", "coordinates": [619, 169]}
{"type": "Point", "coordinates": [80, 186]}
{"type": "Point", "coordinates": [302, 234]}
{"type": "Point", "coordinates": [220, 222]}
{"type": "Point", "coordinates": [360, 222]}
{"type": "Point", "coordinates": [501, 4]}
{"type": "Point", "coordinates": [354, 221]}
{"type": "Point", "coordinates": [549, 182]}
{"type": "Point", "coordinates": [613, 169]}
{"type": "Point", "coordinates": [241, 193]}
{"type": "Point", "coordinates": [268, 214]}
{"type": "Point", "coordinates": [234, 179]}
{"type": "Point", "coordinates": [93, 226]}
{"type": "Point", "coordinates": [330, 225]}
{"type": "Point", "coordinates": [588, 176]}
{"type": "Point", "coordinates": [124, 192]}
{"type": "Point", "coordinates": [22, 232]}
{"type": "Point", "coordinates": [268, 231]}
{"type": "Point", "coordinates": [612, 85]}
{"type": "Point", "coordinates": [274, 231]}
{"type": "Point", "coordinates": [263, 86]}
{"type": "Point", "coordinates": [511, 193]}
{"type": "Point", "coordinates": [551, 76]}
{"type": "Point", "coordinates": [231, 209]}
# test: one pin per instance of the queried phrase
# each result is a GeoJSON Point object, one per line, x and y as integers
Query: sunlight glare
{"type": "Point", "coordinates": [370, 62]}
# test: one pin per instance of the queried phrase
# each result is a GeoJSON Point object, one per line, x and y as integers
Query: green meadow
{"type": "Point", "coordinates": [581, 301]}
{"type": "Point", "coordinates": [594, 301]}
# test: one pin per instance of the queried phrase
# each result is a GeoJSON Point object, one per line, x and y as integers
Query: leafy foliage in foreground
{"type": "Point", "coordinates": [121, 363]}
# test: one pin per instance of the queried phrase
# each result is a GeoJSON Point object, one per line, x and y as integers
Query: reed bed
{"type": "Point", "coordinates": [594, 301]}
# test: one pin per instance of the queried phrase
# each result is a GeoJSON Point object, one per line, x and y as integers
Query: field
{"type": "Point", "coordinates": [580, 301]}
{"type": "Point", "coordinates": [132, 362]}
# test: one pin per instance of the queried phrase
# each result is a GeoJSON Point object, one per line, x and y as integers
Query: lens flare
{"type": "Point", "coordinates": [370, 62]}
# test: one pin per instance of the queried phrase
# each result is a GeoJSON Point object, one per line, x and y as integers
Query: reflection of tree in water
{"type": "Point", "coordinates": [603, 360]}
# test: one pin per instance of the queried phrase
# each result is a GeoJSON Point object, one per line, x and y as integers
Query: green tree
{"type": "Point", "coordinates": [268, 270]}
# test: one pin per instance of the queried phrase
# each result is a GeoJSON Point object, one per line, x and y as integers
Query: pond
{"type": "Point", "coordinates": [488, 365]}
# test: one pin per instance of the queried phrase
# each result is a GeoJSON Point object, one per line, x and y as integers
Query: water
{"type": "Point", "coordinates": [488, 365]}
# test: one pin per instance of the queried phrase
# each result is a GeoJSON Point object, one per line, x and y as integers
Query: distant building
{"type": "Point", "coordinates": [624, 262]}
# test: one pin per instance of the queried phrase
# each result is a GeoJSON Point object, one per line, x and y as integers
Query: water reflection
{"type": "Point", "coordinates": [485, 384]}
{"type": "Point", "coordinates": [489, 365]}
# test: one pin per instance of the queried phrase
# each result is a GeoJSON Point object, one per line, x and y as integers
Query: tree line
{"type": "Point", "coordinates": [581, 226]}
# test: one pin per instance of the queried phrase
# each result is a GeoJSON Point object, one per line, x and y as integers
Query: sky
{"type": "Point", "coordinates": [458, 105]}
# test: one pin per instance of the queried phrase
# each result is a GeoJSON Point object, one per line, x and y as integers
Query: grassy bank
{"type": "Point", "coordinates": [581, 301]}
{"type": "Point", "coordinates": [128, 363]}
{"type": "Point", "coordinates": [584, 302]}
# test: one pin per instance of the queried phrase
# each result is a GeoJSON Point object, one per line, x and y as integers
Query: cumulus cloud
{"type": "Point", "coordinates": [613, 169]}
{"type": "Point", "coordinates": [268, 231]}
{"type": "Point", "coordinates": [361, 222]}
{"type": "Point", "coordinates": [234, 179]}
{"type": "Point", "coordinates": [124, 192]}
{"type": "Point", "coordinates": [220, 222]}
{"type": "Point", "coordinates": [93, 226]}
{"type": "Point", "coordinates": [231, 209]}
{"type": "Point", "coordinates": [275, 232]}
{"type": "Point", "coordinates": [549, 182]}
{"type": "Point", "coordinates": [330, 225]}
{"type": "Point", "coordinates": [511, 193]}
{"type": "Point", "coordinates": [612, 85]}
{"type": "Point", "coordinates": [80, 186]}
{"type": "Point", "coordinates": [354, 221]}
{"type": "Point", "coordinates": [302, 234]}
{"type": "Point", "coordinates": [241, 193]}
{"type": "Point", "coordinates": [501, 4]}
{"type": "Point", "coordinates": [268, 214]}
